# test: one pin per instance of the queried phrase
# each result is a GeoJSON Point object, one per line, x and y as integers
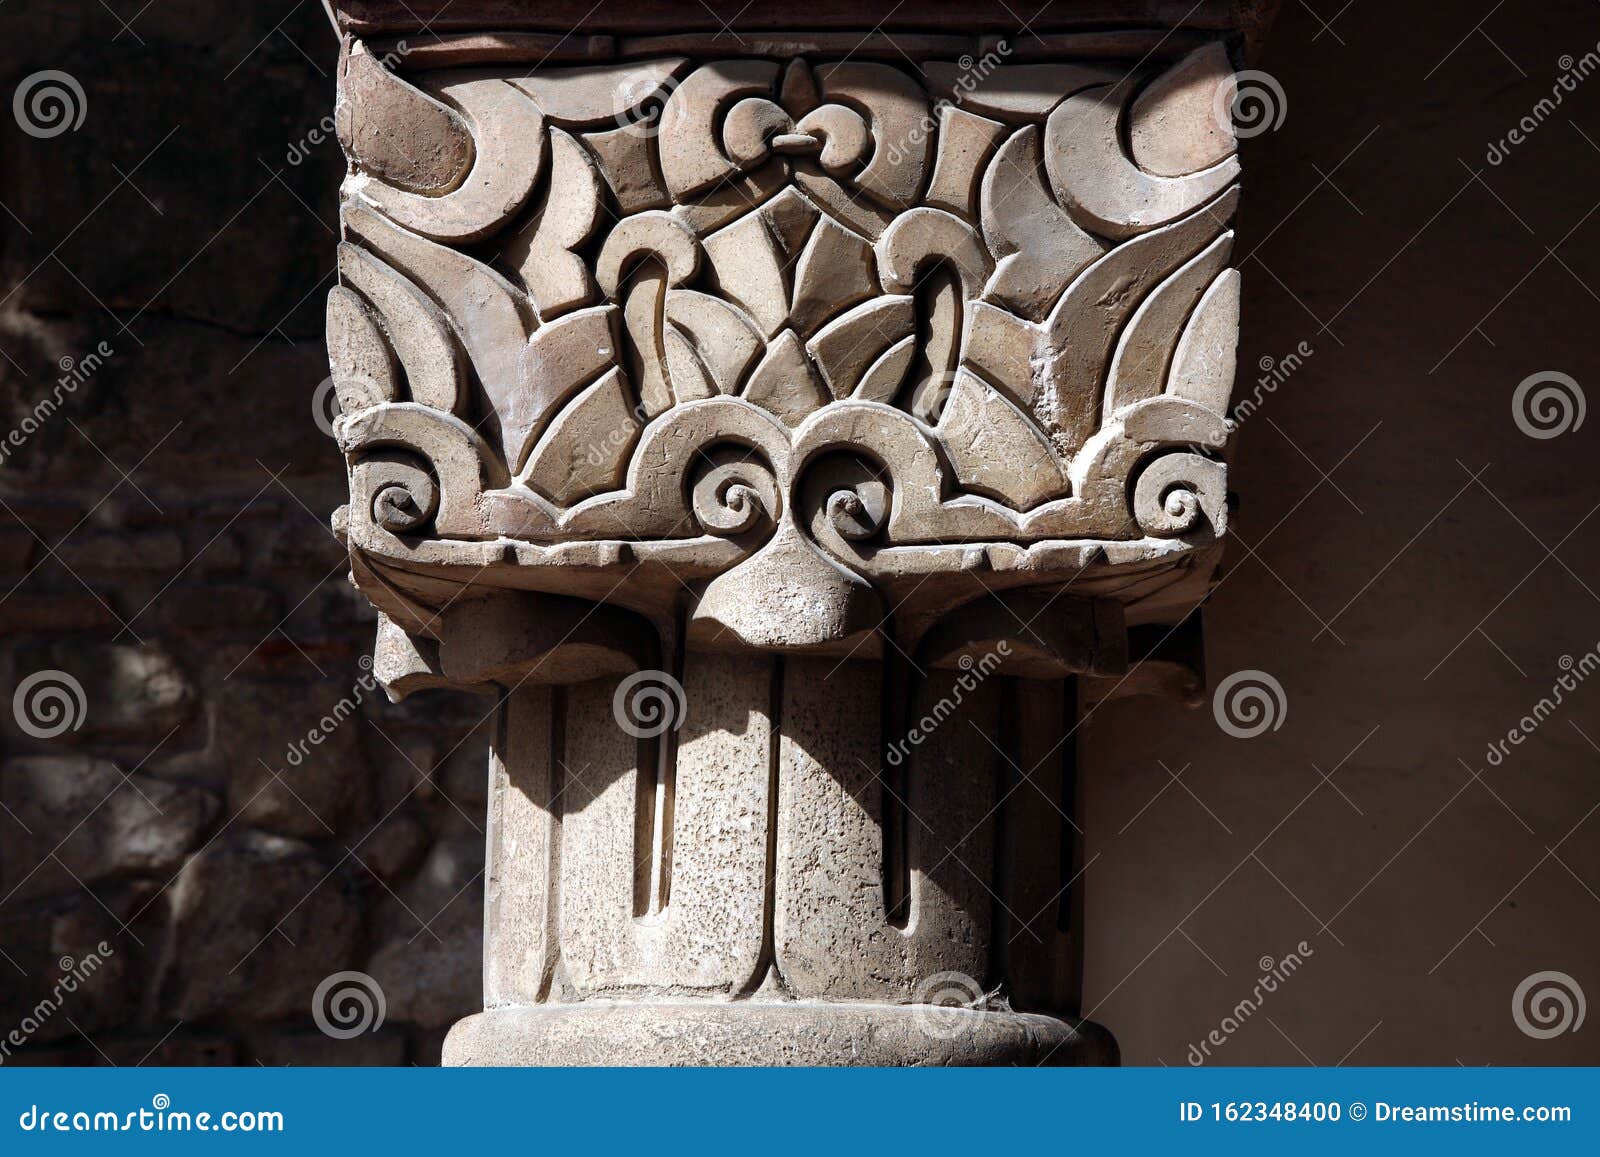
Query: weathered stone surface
{"type": "Point", "coordinates": [607, 1034]}
{"type": "Point", "coordinates": [221, 608]}
{"type": "Point", "coordinates": [67, 962]}
{"type": "Point", "coordinates": [121, 551]}
{"type": "Point", "coordinates": [130, 692]}
{"type": "Point", "coordinates": [429, 966]}
{"type": "Point", "coordinates": [83, 821]}
{"type": "Point", "coordinates": [257, 922]}
{"type": "Point", "coordinates": [781, 361]}
{"type": "Point", "coordinates": [292, 756]}
{"type": "Point", "coordinates": [393, 848]}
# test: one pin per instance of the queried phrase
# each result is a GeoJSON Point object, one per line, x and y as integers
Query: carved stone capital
{"type": "Point", "coordinates": [815, 382]}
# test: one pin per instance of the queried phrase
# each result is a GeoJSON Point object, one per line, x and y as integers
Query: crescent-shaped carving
{"type": "Point", "coordinates": [509, 139]}
{"type": "Point", "coordinates": [1101, 186]}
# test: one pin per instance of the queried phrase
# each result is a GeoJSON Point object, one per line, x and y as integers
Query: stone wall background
{"type": "Point", "coordinates": [163, 540]}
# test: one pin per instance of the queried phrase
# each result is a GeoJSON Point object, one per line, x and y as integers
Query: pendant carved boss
{"type": "Point", "coordinates": [810, 338]}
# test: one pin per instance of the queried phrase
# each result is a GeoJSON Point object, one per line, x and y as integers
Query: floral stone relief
{"type": "Point", "coordinates": [738, 420]}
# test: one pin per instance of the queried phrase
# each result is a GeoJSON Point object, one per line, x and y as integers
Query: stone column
{"type": "Point", "coordinates": [792, 430]}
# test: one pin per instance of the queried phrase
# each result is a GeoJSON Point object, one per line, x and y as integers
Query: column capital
{"type": "Point", "coordinates": [831, 381]}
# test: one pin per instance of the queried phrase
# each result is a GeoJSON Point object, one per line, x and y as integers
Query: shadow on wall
{"type": "Point", "coordinates": [1411, 563]}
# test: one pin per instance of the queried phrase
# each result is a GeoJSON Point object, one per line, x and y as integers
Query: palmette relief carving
{"type": "Point", "coordinates": [756, 325]}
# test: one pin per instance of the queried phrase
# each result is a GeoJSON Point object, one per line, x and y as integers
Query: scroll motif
{"type": "Point", "coordinates": [655, 301]}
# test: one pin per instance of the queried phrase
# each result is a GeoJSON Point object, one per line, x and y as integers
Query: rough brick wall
{"type": "Point", "coordinates": [164, 541]}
